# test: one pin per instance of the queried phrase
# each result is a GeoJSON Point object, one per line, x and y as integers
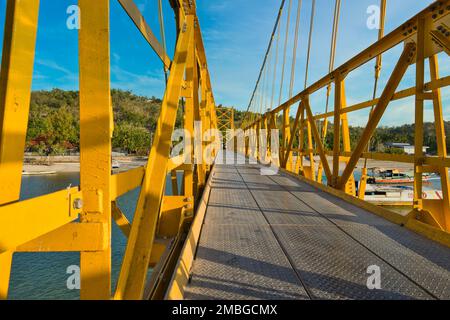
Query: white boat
{"type": "Point", "coordinates": [38, 173]}
{"type": "Point", "coordinates": [397, 195]}
{"type": "Point", "coordinates": [394, 176]}
{"type": "Point", "coordinates": [115, 165]}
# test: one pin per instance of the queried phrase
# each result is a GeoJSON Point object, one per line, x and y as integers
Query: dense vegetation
{"type": "Point", "coordinates": [54, 125]}
{"type": "Point", "coordinates": [54, 122]}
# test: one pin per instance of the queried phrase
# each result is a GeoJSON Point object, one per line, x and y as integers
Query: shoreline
{"type": "Point", "coordinates": [72, 164]}
{"type": "Point", "coordinates": [57, 167]}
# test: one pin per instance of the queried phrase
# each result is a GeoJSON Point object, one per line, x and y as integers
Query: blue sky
{"type": "Point", "coordinates": [236, 34]}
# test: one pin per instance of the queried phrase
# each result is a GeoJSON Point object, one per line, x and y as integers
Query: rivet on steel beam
{"type": "Point", "coordinates": [78, 204]}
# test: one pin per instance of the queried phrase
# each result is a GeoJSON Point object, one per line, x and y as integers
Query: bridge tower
{"type": "Point", "coordinates": [225, 123]}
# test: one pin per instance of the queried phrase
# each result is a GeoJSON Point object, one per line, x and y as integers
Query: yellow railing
{"type": "Point", "coordinates": [79, 219]}
{"type": "Point", "coordinates": [423, 39]}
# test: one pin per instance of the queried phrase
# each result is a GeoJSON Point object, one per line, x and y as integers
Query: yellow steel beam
{"type": "Point", "coordinates": [397, 75]}
{"type": "Point", "coordinates": [96, 127]}
{"type": "Point", "coordinates": [24, 221]}
{"type": "Point", "coordinates": [315, 132]}
{"type": "Point", "coordinates": [120, 219]}
{"type": "Point", "coordinates": [135, 264]}
{"type": "Point", "coordinates": [73, 237]}
{"type": "Point", "coordinates": [125, 182]}
{"type": "Point", "coordinates": [441, 142]}
{"type": "Point", "coordinates": [285, 158]}
{"type": "Point", "coordinates": [350, 187]}
{"type": "Point", "coordinates": [429, 86]}
{"type": "Point", "coordinates": [192, 104]}
{"type": "Point", "coordinates": [15, 89]}
{"type": "Point", "coordinates": [183, 268]}
{"type": "Point", "coordinates": [312, 168]}
{"type": "Point", "coordinates": [337, 128]}
{"type": "Point", "coordinates": [5, 273]}
{"type": "Point", "coordinates": [419, 114]}
{"type": "Point", "coordinates": [286, 136]}
{"type": "Point", "coordinates": [136, 16]}
{"type": "Point", "coordinates": [301, 136]}
{"type": "Point", "coordinates": [441, 40]}
{"type": "Point", "coordinates": [402, 158]}
{"type": "Point", "coordinates": [178, 163]}
{"type": "Point", "coordinates": [173, 210]}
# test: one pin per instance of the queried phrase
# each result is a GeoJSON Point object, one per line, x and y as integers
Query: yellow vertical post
{"type": "Point", "coordinates": [337, 129]}
{"type": "Point", "coordinates": [189, 115]}
{"type": "Point", "coordinates": [286, 134]}
{"type": "Point", "coordinates": [268, 137]}
{"type": "Point", "coordinates": [311, 152]}
{"type": "Point", "coordinates": [15, 91]}
{"type": "Point", "coordinates": [419, 112]}
{"type": "Point", "coordinates": [266, 127]}
{"type": "Point", "coordinates": [258, 141]}
{"type": "Point", "coordinates": [301, 143]}
{"type": "Point", "coordinates": [441, 140]}
{"type": "Point", "coordinates": [211, 121]}
{"type": "Point", "coordinates": [199, 116]}
{"type": "Point", "coordinates": [96, 127]}
{"type": "Point", "coordinates": [204, 115]}
{"type": "Point", "coordinates": [350, 187]}
{"type": "Point", "coordinates": [135, 264]}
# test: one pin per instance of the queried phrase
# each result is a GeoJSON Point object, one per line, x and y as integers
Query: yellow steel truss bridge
{"type": "Point", "coordinates": [303, 231]}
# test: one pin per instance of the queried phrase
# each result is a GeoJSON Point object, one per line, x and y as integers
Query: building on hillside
{"type": "Point", "coordinates": [405, 147]}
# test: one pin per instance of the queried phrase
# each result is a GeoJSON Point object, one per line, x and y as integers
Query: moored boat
{"type": "Point", "coordinates": [394, 176]}
{"type": "Point", "coordinates": [397, 195]}
{"type": "Point", "coordinates": [38, 173]}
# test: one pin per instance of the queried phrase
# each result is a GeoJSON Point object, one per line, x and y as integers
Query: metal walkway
{"type": "Point", "coordinates": [275, 237]}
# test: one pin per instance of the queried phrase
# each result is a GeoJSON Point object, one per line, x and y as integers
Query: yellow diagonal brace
{"type": "Point", "coordinates": [287, 152]}
{"type": "Point", "coordinates": [316, 135]}
{"type": "Point", "coordinates": [121, 220]}
{"type": "Point", "coordinates": [133, 12]}
{"type": "Point", "coordinates": [15, 90]}
{"type": "Point", "coordinates": [135, 264]}
{"type": "Point", "coordinates": [397, 75]}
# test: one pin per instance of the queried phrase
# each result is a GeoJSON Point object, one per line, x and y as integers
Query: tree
{"type": "Point", "coordinates": [132, 139]}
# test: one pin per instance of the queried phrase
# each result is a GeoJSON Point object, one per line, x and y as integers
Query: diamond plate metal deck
{"type": "Point", "coordinates": [274, 237]}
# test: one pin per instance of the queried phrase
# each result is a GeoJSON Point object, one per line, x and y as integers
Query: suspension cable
{"type": "Point", "coordinates": [285, 52]}
{"type": "Point", "coordinates": [378, 63]}
{"type": "Point", "coordinates": [294, 53]}
{"type": "Point", "coordinates": [265, 86]}
{"type": "Point", "coordinates": [311, 29]}
{"type": "Point", "coordinates": [275, 68]}
{"type": "Point", "coordinates": [163, 34]}
{"type": "Point", "coordinates": [337, 10]}
{"type": "Point", "coordinates": [280, 12]}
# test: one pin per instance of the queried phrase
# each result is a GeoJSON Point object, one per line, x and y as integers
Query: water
{"type": "Point", "coordinates": [43, 275]}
